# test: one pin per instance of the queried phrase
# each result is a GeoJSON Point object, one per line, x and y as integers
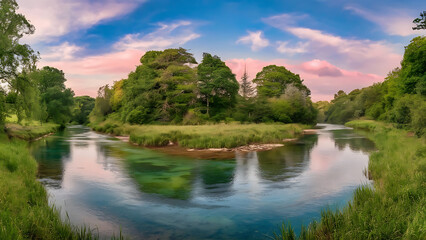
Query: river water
{"type": "Point", "coordinates": [110, 185]}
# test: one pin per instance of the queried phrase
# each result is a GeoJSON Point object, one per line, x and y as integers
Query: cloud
{"type": "Point", "coordinates": [177, 33]}
{"type": "Point", "coordinates": [254, 39]}
{"type": "Point", "coordinates": [300, 47]}
{"type": "Point", "coordinates": [321, 68]}
{"type": "Point", "coordinates": [284, 20]}
{"type": "Point", "coordinates": [63, 51]}
{"type": "Point", "coordinates": [393, 22]}
{"type": "Point", "coordinates": [55, 18]}
{"type": "Point", "coordinates": [323, 78]}
{"type": "Point", "coordinates": [377, 57]}
{"type": "Point", "coordinates": [86, 74]}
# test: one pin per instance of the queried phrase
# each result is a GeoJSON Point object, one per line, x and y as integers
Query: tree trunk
{"type": "Point", "coordinates": [208, 107]}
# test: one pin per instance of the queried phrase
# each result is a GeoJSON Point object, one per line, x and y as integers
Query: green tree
{"type": "Point", "coordinates": [3, 111]}
{"type": "Point", "coordinates": [14, 56]}
{"type": "Point", "coordinates": [161, 89]}
{"type": "Point", "coordinates": [273, 80]}
{"type": "Point", "coordinates": [245, 87]}
{"type": "Point", "coordinates": [420, 22]}
{"type": "Point", "coordinates": [413, 67]}
{"type": "Point", "coordinates": [102, 103]}
{"type": "Point", "coordinates": [27, 102]}
{"type": "Point", "coordinates": [56, 100]}
{"type": "Point", "coordinates": [83, 106]}
{"type": "Point", "coordinates": [59, 104]}
{"type": "Point", "coordinates": [49, 77]}
{"type": "Point", "coordinates": [217, 85]}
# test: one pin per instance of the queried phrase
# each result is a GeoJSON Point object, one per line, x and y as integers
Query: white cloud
{"type": "Point", "coordinates": [255, 39]}
{"type": "Point", "coordinates": [284, 20]}
{"type": "Point", "coordinates": [173, 34]}
{"type": "Point", "coordinates": [284, 47]}
{"type": "Point", "coordinates": [393, 22]}
{"type": "Point", "coordinates": [55, 18]}
{"type": "Point", "coordinates": [65, 51]}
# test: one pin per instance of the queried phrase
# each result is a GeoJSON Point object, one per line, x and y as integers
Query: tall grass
{"type": "Point", "coordinates": [24, 209]}
{"type": "Point", "coordinates": [30, 132]}
{"type": "Point", "coordinates": [395, 208]}
{"type": "Point", "coordinates": [203, 136]}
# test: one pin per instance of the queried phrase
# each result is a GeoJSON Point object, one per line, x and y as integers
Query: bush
{"type": "Point", "coordinates": [138, 116]}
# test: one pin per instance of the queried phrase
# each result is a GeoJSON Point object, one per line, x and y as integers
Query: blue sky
{"type": "Point", "coordinates": [332, 44]}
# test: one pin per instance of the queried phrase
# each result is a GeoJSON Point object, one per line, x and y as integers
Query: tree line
{"type": "Point", "coordinates": [169, 87]}
{"type": "Point", "coordinates": [400, 99]}
{"type": "Point", "coordinates": [28, 92]}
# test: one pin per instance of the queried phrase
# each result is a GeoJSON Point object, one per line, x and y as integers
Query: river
{"type": "Point", "coordinates": [110, 185]}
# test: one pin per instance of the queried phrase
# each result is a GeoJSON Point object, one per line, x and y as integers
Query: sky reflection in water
{"type": "Point", "coordinates": [106, 183]}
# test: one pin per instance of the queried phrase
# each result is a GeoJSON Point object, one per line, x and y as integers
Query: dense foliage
{"type": "Point", "coordinates": [31, 94]}
{"type": "Point", "coordinates": [400, 99]}
{"type": "Point", "coordinates": [83, 106]}
{"type": "Point", "coordinates": [14, 57]}
{"type": "Point", "coordinates": [166, 88]}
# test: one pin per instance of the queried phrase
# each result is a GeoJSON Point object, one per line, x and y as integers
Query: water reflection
{"type": "Point", "coordinates": [107, 183]}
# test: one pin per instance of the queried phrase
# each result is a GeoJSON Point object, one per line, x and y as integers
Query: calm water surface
{"type": "Point", "coordinates": [107, 184]}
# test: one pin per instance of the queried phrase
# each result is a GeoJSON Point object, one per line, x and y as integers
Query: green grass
{"type": "Point", "coordinates": [24, 209]}
{"type": "Point", "coordinates": [30, 132]}
{"type": "Point", "coordinates": [395, 208]}
{"type": "Point", "coordinates": [202, 136]}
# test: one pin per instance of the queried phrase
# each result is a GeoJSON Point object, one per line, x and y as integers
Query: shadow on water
{"type": "Point", "coordinates": [109, 184]}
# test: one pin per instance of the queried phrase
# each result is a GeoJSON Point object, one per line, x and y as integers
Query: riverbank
{"type": "Point", "coordinates": [395, 208]}
{"type": "Point", "coordinates": [25, 212]}
{"type": "Point", "coordinates": [30, 132]}
{"type": "Point", "coordinates": [215, 136]}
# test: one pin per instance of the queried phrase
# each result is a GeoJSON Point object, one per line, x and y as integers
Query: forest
{"type": "Point", "coordinates": [399, 99]}
{"type": "Point", "coordinates": [166, 89]}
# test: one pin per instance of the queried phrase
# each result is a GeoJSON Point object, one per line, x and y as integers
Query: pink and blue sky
{"type": "Point", "coordinates": [332, 44]}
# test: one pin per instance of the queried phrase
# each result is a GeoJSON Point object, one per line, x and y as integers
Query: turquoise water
{"type": "Point", "coordinates": [107, 184]}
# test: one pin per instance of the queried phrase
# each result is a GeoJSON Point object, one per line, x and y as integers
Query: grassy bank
{"type": "Point", "coordinates": [24, 209]}
{"type": "Point", "coordinates": [30, 132]}
{"type": "Point", "coordinates": [203, 136]}
{"type": "Point", "coordinates": [28, 129]}
{"type": "Point", "coordinates": [395, 208]}
{"type": "Point", "coordinates": [25, 212]}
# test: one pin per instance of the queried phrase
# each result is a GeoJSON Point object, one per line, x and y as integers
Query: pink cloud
{"type": "Point", "coordinates": [323, 78]}
{"type": "Point", "coordinates": [364, 55]}
{"type": "Point", "coordinates": [321, 68]}
{"type": "Point", "coordinates": [85, 75]}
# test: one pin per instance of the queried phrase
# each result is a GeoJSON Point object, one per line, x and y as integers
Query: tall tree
{"type": "Point", "coordinates": [13, 55]}
{"type": "Point", "coordinates": [246, 89]}
{"type": "Point", "coordinates": [27, 103]}
{"type": "Point", "coordinates": [413, 67]}
{"type": "Point", "coordinates": [273, 80]}
{"type": "Point", "coordinates": [83, 105]}
{"type": "Point", "coordinates": [161, 89]}
{"type": "Point", "coordinates": [216, 83]}
{"type": "Point", "coordinates": [420, 22]}
{"type": "Point", "coordinates": [56, 99]}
